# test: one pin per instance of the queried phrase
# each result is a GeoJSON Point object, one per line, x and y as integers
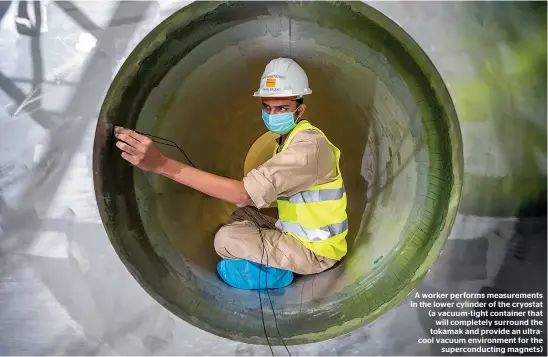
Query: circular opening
{"type": "Point", "coordinates": [376, 96]}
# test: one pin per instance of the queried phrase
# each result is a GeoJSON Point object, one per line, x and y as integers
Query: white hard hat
{"type": "Point", "coordinates": [283, 77]}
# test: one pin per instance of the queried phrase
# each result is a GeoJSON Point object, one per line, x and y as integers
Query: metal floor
{"type": "Point", "coordinates": [63, 290]}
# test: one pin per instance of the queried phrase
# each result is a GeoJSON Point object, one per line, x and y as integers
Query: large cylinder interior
{"type": "Point", "coordinates": [375, 95]}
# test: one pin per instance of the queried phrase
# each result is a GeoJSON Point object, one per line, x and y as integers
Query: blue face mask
{"type": "Point", "coordinates": [279, 123]}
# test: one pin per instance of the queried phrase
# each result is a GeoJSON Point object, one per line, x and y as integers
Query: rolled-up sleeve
{"type": "Point", "coordinates": [259, 188]}
{"type": "Point", "coordinates": [293, 170]}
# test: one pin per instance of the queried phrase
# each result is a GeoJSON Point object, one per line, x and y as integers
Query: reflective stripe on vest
{"type": "Point", "coordinates": [329, 194]}
{"type": "Point", "coordinates": [321, 233]}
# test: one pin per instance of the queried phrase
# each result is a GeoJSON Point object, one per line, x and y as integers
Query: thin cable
{"type": "Point", "coordinates": [270, 299]}
{"type": "Point", "coordinates": [266, 283]}
{"type": "Point", "coordinates": [254, 221]}
{"type": "Point", "coordinates": [290, 37]}
{"type": "Point", "coordinates": [261, 300]}
{"type": "Point", "coordinates": [173, 144]}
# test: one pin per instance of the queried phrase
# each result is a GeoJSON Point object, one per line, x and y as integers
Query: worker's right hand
{"type": "Point", "coordinates": [139, 150]}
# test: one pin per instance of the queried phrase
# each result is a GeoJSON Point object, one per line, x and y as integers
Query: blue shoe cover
{"type": "Point", "coordinates": [243, 274]}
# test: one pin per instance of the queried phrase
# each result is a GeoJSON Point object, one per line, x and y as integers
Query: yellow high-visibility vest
{"type": "Point", "coordinates": [317, 216]}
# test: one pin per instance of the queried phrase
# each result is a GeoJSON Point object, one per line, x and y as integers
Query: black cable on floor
{"type": "Point", "coordinates": [167, 142]}
{"type": "Point", "coordinates": [260, 299]}
{"type": "Point", "coordinates": [267, 292]}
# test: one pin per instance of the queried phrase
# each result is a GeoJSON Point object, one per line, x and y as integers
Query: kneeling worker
{"type": "Point", "coordinates": [303, 176]}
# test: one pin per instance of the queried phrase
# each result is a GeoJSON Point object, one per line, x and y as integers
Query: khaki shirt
{"type": "Point", "coordinates": [308, 160]}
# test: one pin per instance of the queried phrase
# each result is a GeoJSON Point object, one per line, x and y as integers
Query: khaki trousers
{"type": "Point", "coordinates": [241, 239]}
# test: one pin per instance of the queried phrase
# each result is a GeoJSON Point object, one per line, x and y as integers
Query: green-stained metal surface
{"type": "Point", "coordinates": [392, 117]}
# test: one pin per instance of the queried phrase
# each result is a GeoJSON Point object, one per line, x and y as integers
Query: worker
{"type": "Point", "coordinates": [303, 176]}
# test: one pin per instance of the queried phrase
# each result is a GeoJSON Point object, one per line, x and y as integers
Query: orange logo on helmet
{"type": "Point", "coordinates": [271, 82]}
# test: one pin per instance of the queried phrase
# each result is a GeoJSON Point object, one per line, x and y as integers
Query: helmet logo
{"type": "Point", "coordinates": [282, 77]}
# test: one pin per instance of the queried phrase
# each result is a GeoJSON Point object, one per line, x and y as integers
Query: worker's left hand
{"type": "Point", "coordinates": [139, 150]}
